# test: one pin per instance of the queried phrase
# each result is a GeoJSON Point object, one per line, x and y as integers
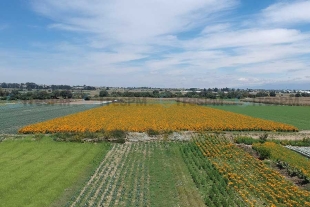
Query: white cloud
{"type": "Point", "coordinates": [130, 21]}
{"type": "Point", "coordinates": [189, 43]}
{"type": "Point", "coordinates": [288, 12]}
{"type": "Point", "coordinates": [216, 28]}
{"type": "Point", "coordinates": [283, 67]}
{"type": "Point", "coordinates": [247, 37]}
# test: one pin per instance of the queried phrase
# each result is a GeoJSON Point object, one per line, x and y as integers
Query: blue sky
{"type": "Point", "coordinates": [156, 43]}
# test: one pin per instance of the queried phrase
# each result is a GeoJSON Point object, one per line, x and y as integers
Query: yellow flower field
{"type": "Point", "coordinates": [139, 118]}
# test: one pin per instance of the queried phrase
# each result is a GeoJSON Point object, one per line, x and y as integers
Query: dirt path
{"type": "Point", "coordinates": [271, 135]}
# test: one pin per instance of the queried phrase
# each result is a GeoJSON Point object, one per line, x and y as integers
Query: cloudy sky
{"type": "Point", "coordinates": [156, 43]}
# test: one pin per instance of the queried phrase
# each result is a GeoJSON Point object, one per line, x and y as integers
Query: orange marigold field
{"type": "Point", "coordinates": [139, 118]}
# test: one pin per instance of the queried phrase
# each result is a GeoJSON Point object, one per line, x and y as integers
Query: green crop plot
{"type": "Point", "coordinates": [15, 116]}
{"type": "Point", "coordinates": [141, 174]}
{"type": "Point", "coordinates": [41, 172]}
{"type": "Point", "coordinates": [295, 115]}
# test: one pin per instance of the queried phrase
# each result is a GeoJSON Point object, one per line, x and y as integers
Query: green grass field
{"type": "Point", "coordinates": [298, 116]}
{"type": "Point", "coordinates": [41, 172]}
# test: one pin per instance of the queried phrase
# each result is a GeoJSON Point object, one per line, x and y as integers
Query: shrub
{"type": "Point", "coordinates": [263, 152]}
{"type": "Point", "coordinates": [118, 136]}
{"type": "Point", "coordinates": [152, 132]}
{"type": "Point", "coordinates": [245, 140]}
{"type": "Point", "coordinates": [263, 138]}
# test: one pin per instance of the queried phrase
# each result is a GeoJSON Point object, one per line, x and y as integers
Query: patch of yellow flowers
{"type": "Point", "coordinates": [256, 184]}
{"type": "Point", "coordinates": [293, 159]}
{"type": "Point", "coordinates": [159, 117]}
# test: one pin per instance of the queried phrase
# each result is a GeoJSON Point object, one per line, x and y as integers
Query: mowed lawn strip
{"type": "Point", "coordinates": [38, 173]}
{"type": "Point", "coordinates": [297, 116]}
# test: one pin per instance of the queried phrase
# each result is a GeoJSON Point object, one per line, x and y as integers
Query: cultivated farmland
{"type": "Point", "coordinates": [40, 172]}
{"type": "Point", "coordinates": [139, 118]}
{"type": "Point", "coordinates": [257, 184]}
{"type": "Point", "coordinates": [15, 116]}
{"type": "Point", "coordinates": [295, 163]}
{"type": "Point", "coordinates": [205, 170]}
{"type": "Point", "coordinates": [302, 150]}
{"type": "Point", "coordinates": [141, 174]}
{"type": "Point", "coordinates": [295, 115]}
{"type": "Point", "coordinates": [208, 171]}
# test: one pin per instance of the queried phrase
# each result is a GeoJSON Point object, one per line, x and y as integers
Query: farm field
{"type": "Point", "coordinates": [283, 100]}
{"type": "Point", "coordinates": [140, 174]}
{"type": "Point", "coordinates": [159, 117]}
{"type": "Point", "coordinates": [256, 184]}
{"type": "Point", "coordinates": [295, 163]}
{"type": "Point", "coordinates": [15, 116]}
{"type": "Point", "coordinates": [207, 171]}
{"type": "Point", "coordinates": [39, 173]}
{"type": "Point", "coordinates": [297, 116]}
{"type": "Point", "coordinates": [302, 150]}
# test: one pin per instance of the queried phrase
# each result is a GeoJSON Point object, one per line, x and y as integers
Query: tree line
{"type": "Point", "coordinates": [205, 93]}
{"type": "Point", "coordinates": [16, 95]}
{"type": "Point", "coordinates": [32, 86]}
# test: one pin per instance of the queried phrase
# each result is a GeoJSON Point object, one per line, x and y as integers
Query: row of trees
{"type": "Point", "coordinates": [302, 95]}
{"type": "Point", "coordinates": [205, 93]}
{"type": "Point", "coordinates": [15, 95]}
{"type": "Point", "coordinates": [231, 94]}
{"type": "Point", "coordinates": [32, 86]}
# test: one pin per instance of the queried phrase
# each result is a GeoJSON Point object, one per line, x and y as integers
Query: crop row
{"type": "Point", "coordinates": [158, 117]}
{"type": "Point", "coordinates": [257, 184]}
{"type": "Point", "coordinates": [120, 180]}
{"type": "Point", "coordinates": [140, 174]}
{"type": "Point", "coordinates": [15, 116]}
{"type": "Point", "coordinates": [212, 185]}
{"type": "Point", "coordinates": [294, 163]}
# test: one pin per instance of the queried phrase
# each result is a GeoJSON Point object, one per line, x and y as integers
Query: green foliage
{"type": "Point", "coordinates": [103, 93]}
{"type": "Point", "coordinates": [152, 132]}
{"type": "Point", "coordinates": [119, 134]}
{"type": "Point", "coordinates": [294, 163]}
{"type": "Point", "coordinates": [245, 140]}
{"type": "Point", "coordinates": [305, 142]}
{"type": "Point", "coordinates": [66, 94]}
{"type": "Point", "coordinates": [212, 186]}
{"type": "Point", "coordinates": [264, 152]}
{"type": "Point", "coordinates": [140, 174]}
{"type": "Point", "coordinates": [272, 94]}
{"type": "Point", "coordinates": [263, 137]}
